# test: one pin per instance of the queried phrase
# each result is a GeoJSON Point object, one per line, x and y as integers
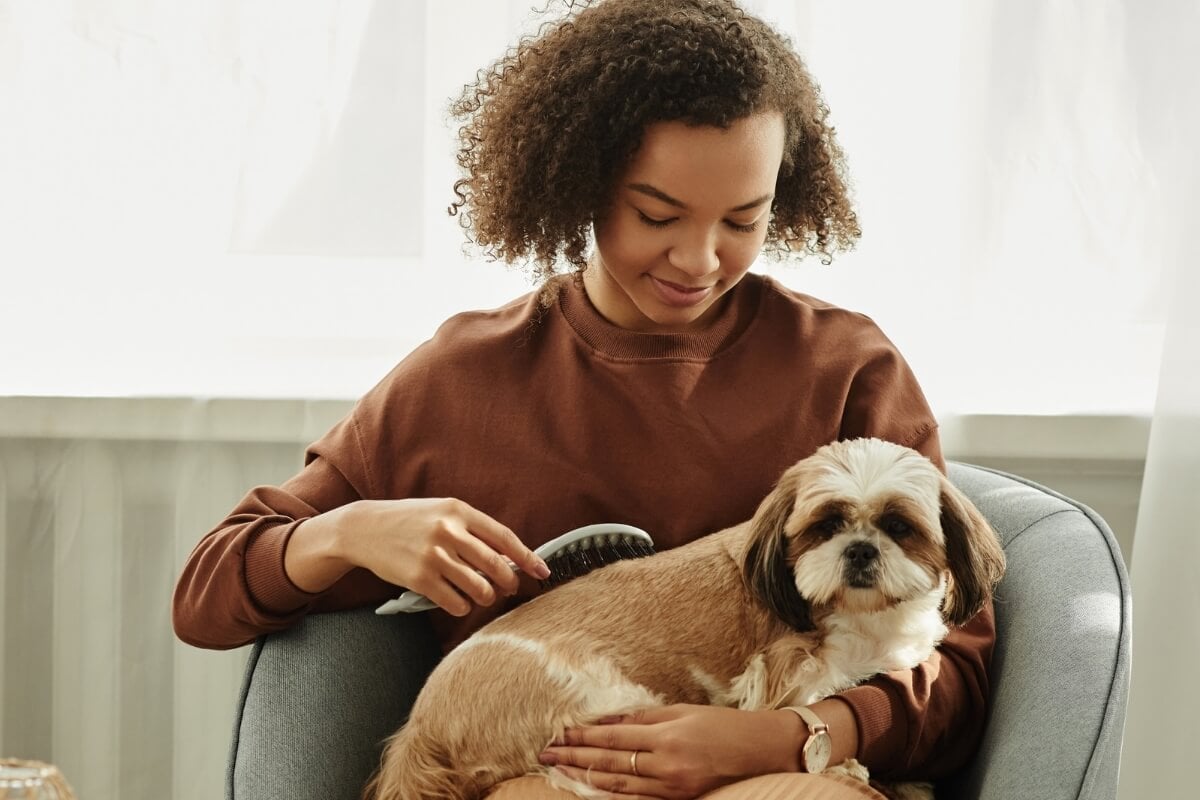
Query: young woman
{"type": "Point", "coordinates": [659, 383]}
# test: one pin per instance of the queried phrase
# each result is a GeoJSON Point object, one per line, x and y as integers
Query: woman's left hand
{"type": "Point", "coordinates": [678, 751]}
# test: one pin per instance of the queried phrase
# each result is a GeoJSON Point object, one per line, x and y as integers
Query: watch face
{"type": "Point", "coordinates": [816, 752]}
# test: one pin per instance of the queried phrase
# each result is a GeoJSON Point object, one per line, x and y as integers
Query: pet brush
{"type": "Point", "coordinates": [575, 553]}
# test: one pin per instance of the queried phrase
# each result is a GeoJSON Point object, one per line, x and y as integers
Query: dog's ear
{"type": "Point", "coordinates": [765, 570]}
{"type": "Point", "coordinates": [973, 552]}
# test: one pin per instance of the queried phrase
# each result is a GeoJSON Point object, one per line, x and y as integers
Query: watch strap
{"type": "Point", "coordinates": [816, 728]}
{"type": "Point", "coordinates": [814, 723]}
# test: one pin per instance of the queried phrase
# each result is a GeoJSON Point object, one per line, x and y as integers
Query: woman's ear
{"type": "Point", "coordinates": [765, 570]}
{"type": "Point", "coordinates": [974, 554]}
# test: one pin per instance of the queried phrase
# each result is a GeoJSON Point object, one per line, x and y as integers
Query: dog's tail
{"type": "Point", "coordinates": [419, 768]}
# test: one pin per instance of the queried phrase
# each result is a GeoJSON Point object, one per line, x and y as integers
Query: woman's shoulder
{"type": "Point", "coordinates": [483, 328]}
{"type": "Point", "coordinates": [817, 321]}
{"type": "Point", "coordinates": [478, 334]}
{"type": "Point", "coordinates": [466, 344]}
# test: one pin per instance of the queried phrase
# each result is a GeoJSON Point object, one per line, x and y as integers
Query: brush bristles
{"type": "Point", "coordinates": [581, 557]}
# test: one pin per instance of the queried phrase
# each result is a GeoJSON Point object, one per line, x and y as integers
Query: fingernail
{"type": "Point", "coordinates": [549, 759]}
{"type": "Point", "coordinates": [540, 570]}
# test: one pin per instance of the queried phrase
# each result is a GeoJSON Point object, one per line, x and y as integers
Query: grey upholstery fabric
{"type": "Point", "coordinates": [318, 700]}
{"type": "Point", "coordinates": [1061, 667]}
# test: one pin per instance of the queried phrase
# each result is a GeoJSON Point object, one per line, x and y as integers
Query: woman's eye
{"type": "Point", "coordinates": [655, 223]}
{"type": "Point", "coordinates": [751, 228]}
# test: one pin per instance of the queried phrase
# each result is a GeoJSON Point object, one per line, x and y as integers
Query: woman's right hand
{"type": "Point", "coordinates": [443, 548]}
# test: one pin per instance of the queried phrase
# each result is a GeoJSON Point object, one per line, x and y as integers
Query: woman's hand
{"type": "Point", "coordinates": [682, 751]}
{"type": "Point", "coordinates": [443, 548]}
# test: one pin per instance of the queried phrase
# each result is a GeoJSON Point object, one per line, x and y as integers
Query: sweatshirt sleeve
{"type": "Point", "coordinates": [233, 587]}
{"type": "Point", "coordinates": [926, 722]}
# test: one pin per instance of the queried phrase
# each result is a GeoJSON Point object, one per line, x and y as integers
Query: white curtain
{"type": "Point", "coordinates": [256, 192]}
{"type": "Point", "coordinates": [247, 199]}
{"type": "Point", "coordinates": [1162, 738]}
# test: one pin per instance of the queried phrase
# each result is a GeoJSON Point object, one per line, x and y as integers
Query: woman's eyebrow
{"type": "Point", "coordinates": [658, 194]}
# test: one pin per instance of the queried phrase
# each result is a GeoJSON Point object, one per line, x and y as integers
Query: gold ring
{"type": "Point", "coordinates": [633, 763]}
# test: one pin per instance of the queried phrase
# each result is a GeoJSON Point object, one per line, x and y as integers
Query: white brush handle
{"type": "Point", "coordinates": [411, 602]}
{"type": "Point", "coordinates": [407, 603]}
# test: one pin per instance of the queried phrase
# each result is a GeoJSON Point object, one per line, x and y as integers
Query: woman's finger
{"type": "Point", "coordinates": [466, 579]}
{"type": "Point", "coordinates": [494, 567]}
{"type": "Point", "coordinates": [502, 540]}
{"type": "Point", "coordinates": [647, 715]}
{"type": "Point", "coordinates": [627, 787]}
{"type": "Point", "coordinates": [633, 763]}
{"type": "Point", "coordinates": [442, 593]}
{"type": "Point", "coordinates": [612, 736]}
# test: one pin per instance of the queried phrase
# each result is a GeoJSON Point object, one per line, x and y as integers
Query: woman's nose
{"type": "Point", "coordinates": [695, 254]}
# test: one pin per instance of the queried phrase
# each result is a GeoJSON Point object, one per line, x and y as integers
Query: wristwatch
{"type": "Point", "coordinates": [815, 755]}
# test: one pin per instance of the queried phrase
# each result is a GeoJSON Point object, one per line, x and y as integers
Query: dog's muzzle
{"type": "Point", "coordinates": [861, 564]}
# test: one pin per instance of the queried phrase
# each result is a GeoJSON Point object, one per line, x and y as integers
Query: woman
{"type": "Point", "coordinates": [660, 384]}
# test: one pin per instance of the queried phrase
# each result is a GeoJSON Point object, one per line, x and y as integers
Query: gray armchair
{"type": "Point", "coordinates": [318, 700]}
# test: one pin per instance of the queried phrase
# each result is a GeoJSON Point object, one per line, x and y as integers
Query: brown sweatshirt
{"type": "Point", "coordinates": [551, 419]}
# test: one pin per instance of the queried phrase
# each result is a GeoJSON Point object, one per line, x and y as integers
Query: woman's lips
{"type": "Point", "coordinates": [679, 296]}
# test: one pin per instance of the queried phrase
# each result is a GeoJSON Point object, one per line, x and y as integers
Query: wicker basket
{"type": "Point", "coordinates": [32, 780]}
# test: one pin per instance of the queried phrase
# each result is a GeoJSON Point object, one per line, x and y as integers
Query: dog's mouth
{"type": "Point", "coordinates": [861, 578]}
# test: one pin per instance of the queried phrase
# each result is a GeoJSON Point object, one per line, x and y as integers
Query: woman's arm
{"type": "Point", "coordinates": [314, 544]}
{"type": "Point", "coordinates": [441, 547]}
{"type": "Point", "coordinates": [233, 587]}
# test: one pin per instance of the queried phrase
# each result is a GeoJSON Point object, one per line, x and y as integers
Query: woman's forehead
{"type": "Point", "coordinates": [710, 167]}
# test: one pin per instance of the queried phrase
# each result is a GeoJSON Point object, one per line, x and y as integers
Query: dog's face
{"type": "Point", "coordinates": [864, 525]}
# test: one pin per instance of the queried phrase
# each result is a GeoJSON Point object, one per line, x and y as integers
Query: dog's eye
{"type": "Point", "coordinates": [828, 526]}
{"type": "Point", "coordinates": [896, 527]}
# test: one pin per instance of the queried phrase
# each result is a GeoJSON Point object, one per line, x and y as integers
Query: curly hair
{"type": "Point", "coordinates": [548, 129]}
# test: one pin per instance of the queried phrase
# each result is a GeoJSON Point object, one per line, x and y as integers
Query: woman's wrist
{"type": "Point", "coordinates": [838, 715]}
{"type": "Point", "coordinates": [843, 733]}
{"type": "Point", "coordinates": [315, 557]}
{"type": "Point", "coordinates": [792, 735]}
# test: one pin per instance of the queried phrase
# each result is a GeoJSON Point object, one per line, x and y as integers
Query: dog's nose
{"type": "Point", "coordinates": [861, 554]}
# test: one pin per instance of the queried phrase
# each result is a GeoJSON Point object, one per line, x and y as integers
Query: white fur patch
{"type": "Point", "coordinates": [713, 688]}
{"type": "Point", "coordinates": [521, 643]}
{"type": "Point", "coordinates": [596, 686]}
{"type": "Point", "coordinates": [749, 690]}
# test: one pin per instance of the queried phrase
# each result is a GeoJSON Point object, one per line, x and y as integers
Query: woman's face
{"type": "Point", "coordinates": [688, 217]}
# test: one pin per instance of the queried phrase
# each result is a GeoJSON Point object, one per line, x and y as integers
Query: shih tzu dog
{"type": "Point", "coordinates": [853, 565]}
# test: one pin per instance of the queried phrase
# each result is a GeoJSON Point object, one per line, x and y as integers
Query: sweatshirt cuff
{"type": "Point", "coordinates": [266, 579]}
{"type": "Point", "coordinates": [880, 740]}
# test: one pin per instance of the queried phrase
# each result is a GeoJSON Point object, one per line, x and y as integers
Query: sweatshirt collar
{"type": "Point", "coordinates": [740, 306]}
